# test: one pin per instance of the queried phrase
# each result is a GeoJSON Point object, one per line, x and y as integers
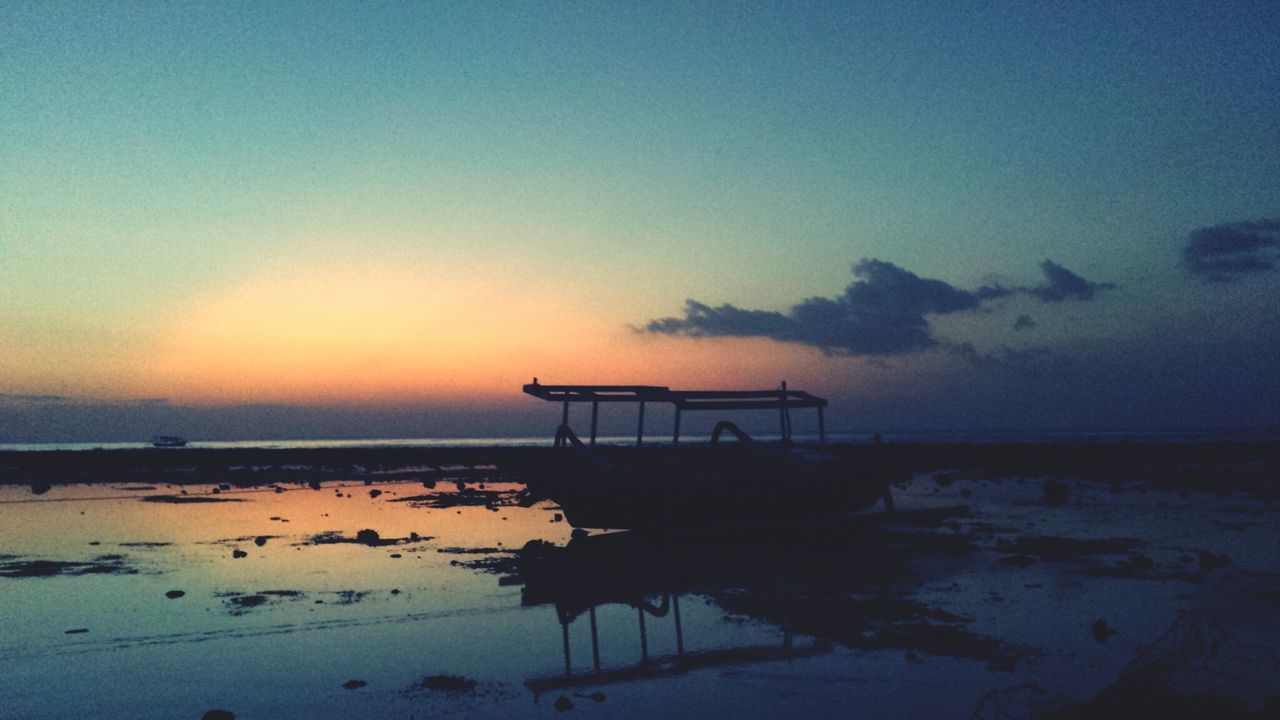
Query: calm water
{"type": "Point", "coordinates": [279, 612]}
{"type": "Point", "coordinates": [1114, 436]}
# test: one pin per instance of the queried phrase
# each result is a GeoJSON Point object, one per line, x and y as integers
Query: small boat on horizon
{"type": "Point", "coordinates": [730, 483]}
{"type": "Point", "coordinates": [168, 441]}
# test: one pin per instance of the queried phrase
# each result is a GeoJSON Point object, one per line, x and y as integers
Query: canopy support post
{"type": "Point", "coordinates": [640, 426]}
{"type": "Point", "coordinates": [595, 413]}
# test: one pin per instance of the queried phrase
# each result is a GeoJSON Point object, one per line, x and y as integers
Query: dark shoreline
{"type": "Point", "coordinates": [1194, 464]}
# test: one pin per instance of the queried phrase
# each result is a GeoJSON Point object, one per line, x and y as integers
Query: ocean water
{"type": "Point", "coordinates": [983, 437]}
{"type": "Point", "coordinates": [118, 600]}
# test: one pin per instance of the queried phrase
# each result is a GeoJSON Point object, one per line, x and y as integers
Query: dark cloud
{"type": "Point", "coordinates": [1024, 322]}
{"type": "Point", "coordinates": [1034, 360]}
{"type": "Point", "coordinates": [10, 397]}
{"type": "Point", "coordinates": [1064, 285]}
{"type": "Point", "coordinates": [882, 313]}
{"type": "Point", "coordinates": [1223, 253]}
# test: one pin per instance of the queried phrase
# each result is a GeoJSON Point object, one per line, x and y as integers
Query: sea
{"type": "Point", "coordinates": [981, 437]}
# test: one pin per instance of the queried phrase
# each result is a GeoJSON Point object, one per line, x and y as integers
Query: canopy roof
{"type": "Point", "coordinates": [682, 399]}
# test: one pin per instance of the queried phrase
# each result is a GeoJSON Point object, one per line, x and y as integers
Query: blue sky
{"type": "Point", "coordinates": [239, 203]}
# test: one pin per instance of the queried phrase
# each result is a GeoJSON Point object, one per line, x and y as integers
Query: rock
{"type": "Point", "coordinates": [564, 704]}
{"type": "Point", "coordinates": [1209, 561]}
{"type": "Point", "coordinates": [368, 537]}
{"type": "Point", "coordinates": [40, 488]}
{"type": "Point", "coordinates": [77, 631]}
{"type": "Point", "coordinates": [1055, 493]}
{"type": "Point", "coordinates": [448, 683]}
{"type": "Point", "coordinates": [354, 684]}
{"type": "Point", "coordinates": [374, 493]}
{"type": "Point", "coordinates": [239, 554]}
{"type": "Point", "coordinates": [1101, 631]}
{"type": "Point", "coordinates": [314, 484]}
{"type": "Point", "coordinates": [218, 715]}
{"type": "Point", "coordinates": [1138, 563]}
{"type": "Point", "coordinates": [260, 540]}
{"type": "Point", "coordinates": [395, 556]}
{"type": "Point", "coordinates": [174, 594]}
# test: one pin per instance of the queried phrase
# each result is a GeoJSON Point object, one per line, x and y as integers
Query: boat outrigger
{"type": "Point", "coordinates": [734, 483]}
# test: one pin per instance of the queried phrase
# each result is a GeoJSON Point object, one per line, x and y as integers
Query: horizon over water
{"type": "Point", "coordinates": [1262, 434]}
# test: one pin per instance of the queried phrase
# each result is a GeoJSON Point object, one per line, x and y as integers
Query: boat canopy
{"type": "Point", "coordinates": [780, 399]}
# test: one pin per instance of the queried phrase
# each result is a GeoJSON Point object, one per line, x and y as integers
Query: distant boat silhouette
{"type": "Point", "coordinates": [168, 441]}
{"type": "Point", "coordinates": [720, 483]}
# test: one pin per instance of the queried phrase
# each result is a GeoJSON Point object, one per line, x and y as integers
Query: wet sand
{"type": "Point", "coordinates": [1020, 584]}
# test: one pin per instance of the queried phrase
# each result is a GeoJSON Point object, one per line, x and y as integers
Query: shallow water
{"type": "Point", "coordinates": [280, 607]}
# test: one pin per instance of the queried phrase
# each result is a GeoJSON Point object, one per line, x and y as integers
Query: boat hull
{"type": "Point", "coordinates": [712, 487]}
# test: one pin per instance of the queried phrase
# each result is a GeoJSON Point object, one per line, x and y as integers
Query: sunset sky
{"type": "Point", "coordinates": [284, 219]}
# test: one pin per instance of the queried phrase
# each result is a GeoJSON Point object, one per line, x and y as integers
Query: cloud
{"type": "Point", "coordinates": [882, 313]}
{"type": "Point", "coordinates": [10, 397]}
{"type": "Point", "coordinates": [1060, 284]}
{"type": "Point", "coordinates": [1064, 285]}
{"type": "Point", "coordinates": [1024, 322]}
{"type": "Point", "coordinates": [1225, 253]}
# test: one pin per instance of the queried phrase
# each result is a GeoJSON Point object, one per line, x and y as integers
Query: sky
{"type": "Point", "coordinates": [236, 220]}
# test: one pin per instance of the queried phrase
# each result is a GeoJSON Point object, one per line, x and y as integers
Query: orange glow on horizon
{"type": "Point", "coordinates": [380, 334]}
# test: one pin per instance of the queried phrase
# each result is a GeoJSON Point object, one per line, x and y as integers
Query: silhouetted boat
{"type": "Point", "coordinates": [732, 483]}
{"type": "Point", "coordinates": [168, 441]}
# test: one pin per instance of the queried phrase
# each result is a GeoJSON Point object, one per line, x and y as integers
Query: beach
{"type": "Point", "coordinates": [1013, 581]}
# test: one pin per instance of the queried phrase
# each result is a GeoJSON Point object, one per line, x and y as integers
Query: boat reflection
{"type": "Point", "coordinates": [651, 572]}
{"type": "Point", "coordinates": [653, 666]}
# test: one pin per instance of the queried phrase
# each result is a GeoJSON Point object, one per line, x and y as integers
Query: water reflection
{"type": "Point", "coordinates": [733, 570]}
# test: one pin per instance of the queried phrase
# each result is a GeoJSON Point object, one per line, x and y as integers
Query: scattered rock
{"type": "Point", "coordinates": [354, 684]}
{"type": "Point", "coordinates": [1055, 493]}
{"type": "Point", "coordinates": [106, 564]}
{"type": "Point", "coordinates": [564, 704]}
{"type": "Point", "coordinates": [174, 594]}
{"type": "Point", "coordinates": [239, 554]}
{"type": "Point", "coordinates": [177, 499]}
{"type": "Point", "coordinates": [1138, 563]}
{"type": "Point", "coordinates": [448, 683]}
{"type": "Point", "coordinates": [1101, 631]}
{"type": "Point", "coordinates": [1209, 561]}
